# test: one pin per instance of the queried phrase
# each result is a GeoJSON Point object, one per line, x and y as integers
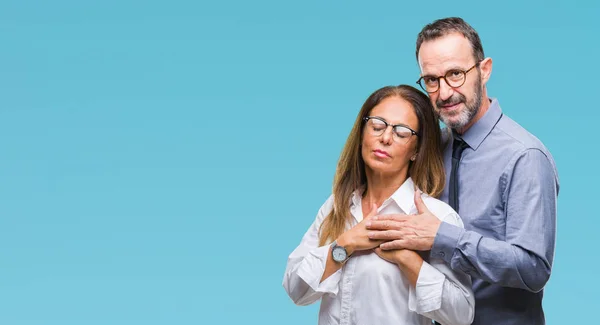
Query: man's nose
{"type": "Point", "coordinates": [445, 91]}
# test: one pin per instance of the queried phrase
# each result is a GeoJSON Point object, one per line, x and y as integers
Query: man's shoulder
{"type": "Point", "coordinates": [518, 136]}
{"type": "Point", "coordinates": [516, 142]}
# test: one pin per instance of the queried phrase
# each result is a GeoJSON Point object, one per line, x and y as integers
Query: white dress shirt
{"type": "Point", "coordinates": [370, 290]}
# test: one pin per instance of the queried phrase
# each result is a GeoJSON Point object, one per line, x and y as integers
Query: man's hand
{"type": "Point", "coordinates": [414, 232]}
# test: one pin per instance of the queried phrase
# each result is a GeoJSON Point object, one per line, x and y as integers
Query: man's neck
{"type": "Point", "coordinates": [485, 105]}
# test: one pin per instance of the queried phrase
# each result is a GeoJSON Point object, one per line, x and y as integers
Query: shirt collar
{"type": "Point", "coordinates": [480, 130]}
{"type": "Point", "coordinates": [403, 196]}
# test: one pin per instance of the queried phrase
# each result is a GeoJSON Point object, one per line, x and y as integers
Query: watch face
{"type": "Point", "coordinates": [339, 254]}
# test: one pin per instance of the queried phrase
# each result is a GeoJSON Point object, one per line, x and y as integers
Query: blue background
{"type": "Point", "coordinates": [160, 160]}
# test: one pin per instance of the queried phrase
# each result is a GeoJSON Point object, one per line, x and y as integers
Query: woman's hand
{"type": "Point", "coordinates": [357, 239]}
{"type": "Point", "coordinates": [398, 256]}
{"type": "Point", "coordinates": [352, 240]}
{"type": "Point", "coordinates": [408, 261]}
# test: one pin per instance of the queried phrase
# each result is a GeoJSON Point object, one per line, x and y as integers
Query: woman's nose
{"type": "Point", "coordinates": [387, 136]}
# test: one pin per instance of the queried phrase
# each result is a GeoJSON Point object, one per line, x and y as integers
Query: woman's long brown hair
{"type": "Point", "coordinates": [427, 171]}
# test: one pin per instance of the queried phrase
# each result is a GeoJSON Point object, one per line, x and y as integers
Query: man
{"type": "Point", "coordinates": [500, 179]}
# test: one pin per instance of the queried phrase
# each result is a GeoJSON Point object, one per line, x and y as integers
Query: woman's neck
{"type": "Point", "coordinates": [380, 187]}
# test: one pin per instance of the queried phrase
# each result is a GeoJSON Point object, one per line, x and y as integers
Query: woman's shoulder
{"type": "Point", "coordinates": [328, 204]}
{"type": "Point", "coordinates": [325, 208]}
{"type": "Point", "coordinates": [442, 210]}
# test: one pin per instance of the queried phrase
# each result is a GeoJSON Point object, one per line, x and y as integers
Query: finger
{"type": "Point", "coordinates": [421, 207]}
{"type": "Point", "coordinates": [381, 253]}
{"type": "Point", "coordinates": [383, 225]}
{"type": "Point", "coordinates": [394, 244]}
{"type": "Point", "coordinates": [372, 212]}
{"type": "Point", "coordinates": [385, 235]}
{"type": "Point", "coordinates": [394, 217]}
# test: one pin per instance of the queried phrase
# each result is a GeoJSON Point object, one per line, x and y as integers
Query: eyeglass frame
{"type": "Point", "coordinates": [464, 72]}
{"type": "Point", "coordinates": [412, 132]}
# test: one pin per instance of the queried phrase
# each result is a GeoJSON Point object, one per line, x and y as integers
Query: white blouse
{"type": "Point", "coordinates": [370, 290]}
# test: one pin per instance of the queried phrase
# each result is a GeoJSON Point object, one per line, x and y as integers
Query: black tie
{"type": "Point", "coordinates": [457, 148]}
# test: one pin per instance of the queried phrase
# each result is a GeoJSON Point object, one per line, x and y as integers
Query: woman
{"type": "Point", "coordinates": [393, 151]}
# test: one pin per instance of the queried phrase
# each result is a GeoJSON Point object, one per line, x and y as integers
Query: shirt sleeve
{"type": "Point", "coordinates": [441, 293]}
{"type": "Point", "coordinates": [306, 264]}
{"type": "Point", "coordinates": [524, 259]}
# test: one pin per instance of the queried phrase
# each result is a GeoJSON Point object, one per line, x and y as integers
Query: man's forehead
{"type": "Point", "coordinates": [452, 51]}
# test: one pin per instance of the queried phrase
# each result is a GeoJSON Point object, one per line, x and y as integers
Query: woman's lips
{"type": "Point", "coordinates": [381, 153]}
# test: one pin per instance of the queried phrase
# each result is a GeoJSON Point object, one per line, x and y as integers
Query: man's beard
{"type": "Point", "coordinates": [458, 120]}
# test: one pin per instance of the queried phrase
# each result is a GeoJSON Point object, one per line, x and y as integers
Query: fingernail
{"type": "Point", "coordinates": [368, 224]}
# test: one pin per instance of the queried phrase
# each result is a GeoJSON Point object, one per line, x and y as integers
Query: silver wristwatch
{"type": "Point", "coordinates": [339, 253]}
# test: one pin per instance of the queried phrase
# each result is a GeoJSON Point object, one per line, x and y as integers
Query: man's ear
{"type": "Point", "coordinates": [486, 70]}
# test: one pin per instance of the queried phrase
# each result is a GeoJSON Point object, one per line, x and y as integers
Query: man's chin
{"type": "Point", "coordinates": [453, 123]}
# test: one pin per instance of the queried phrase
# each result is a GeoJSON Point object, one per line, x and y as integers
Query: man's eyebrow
{"type": "Point", "coordinates": [454, 67]}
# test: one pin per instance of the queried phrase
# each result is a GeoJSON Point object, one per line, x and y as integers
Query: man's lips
{"type": "Point", "coordinates": [450, 106]}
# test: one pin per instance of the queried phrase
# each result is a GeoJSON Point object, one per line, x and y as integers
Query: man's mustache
{"type": "Point", "coordinates": [455, 99]}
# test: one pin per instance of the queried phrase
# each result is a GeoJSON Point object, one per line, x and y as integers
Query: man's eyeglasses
{"type": "Point", "coordinates": [454, 78]}
{"type": "Point", "coordinates": [375, 126]}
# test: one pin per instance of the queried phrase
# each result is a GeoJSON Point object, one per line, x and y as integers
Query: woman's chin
{"type": "Point", "coordinates": [381, 167]}
{"type": "Point", "coordinates": [378, 167]}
